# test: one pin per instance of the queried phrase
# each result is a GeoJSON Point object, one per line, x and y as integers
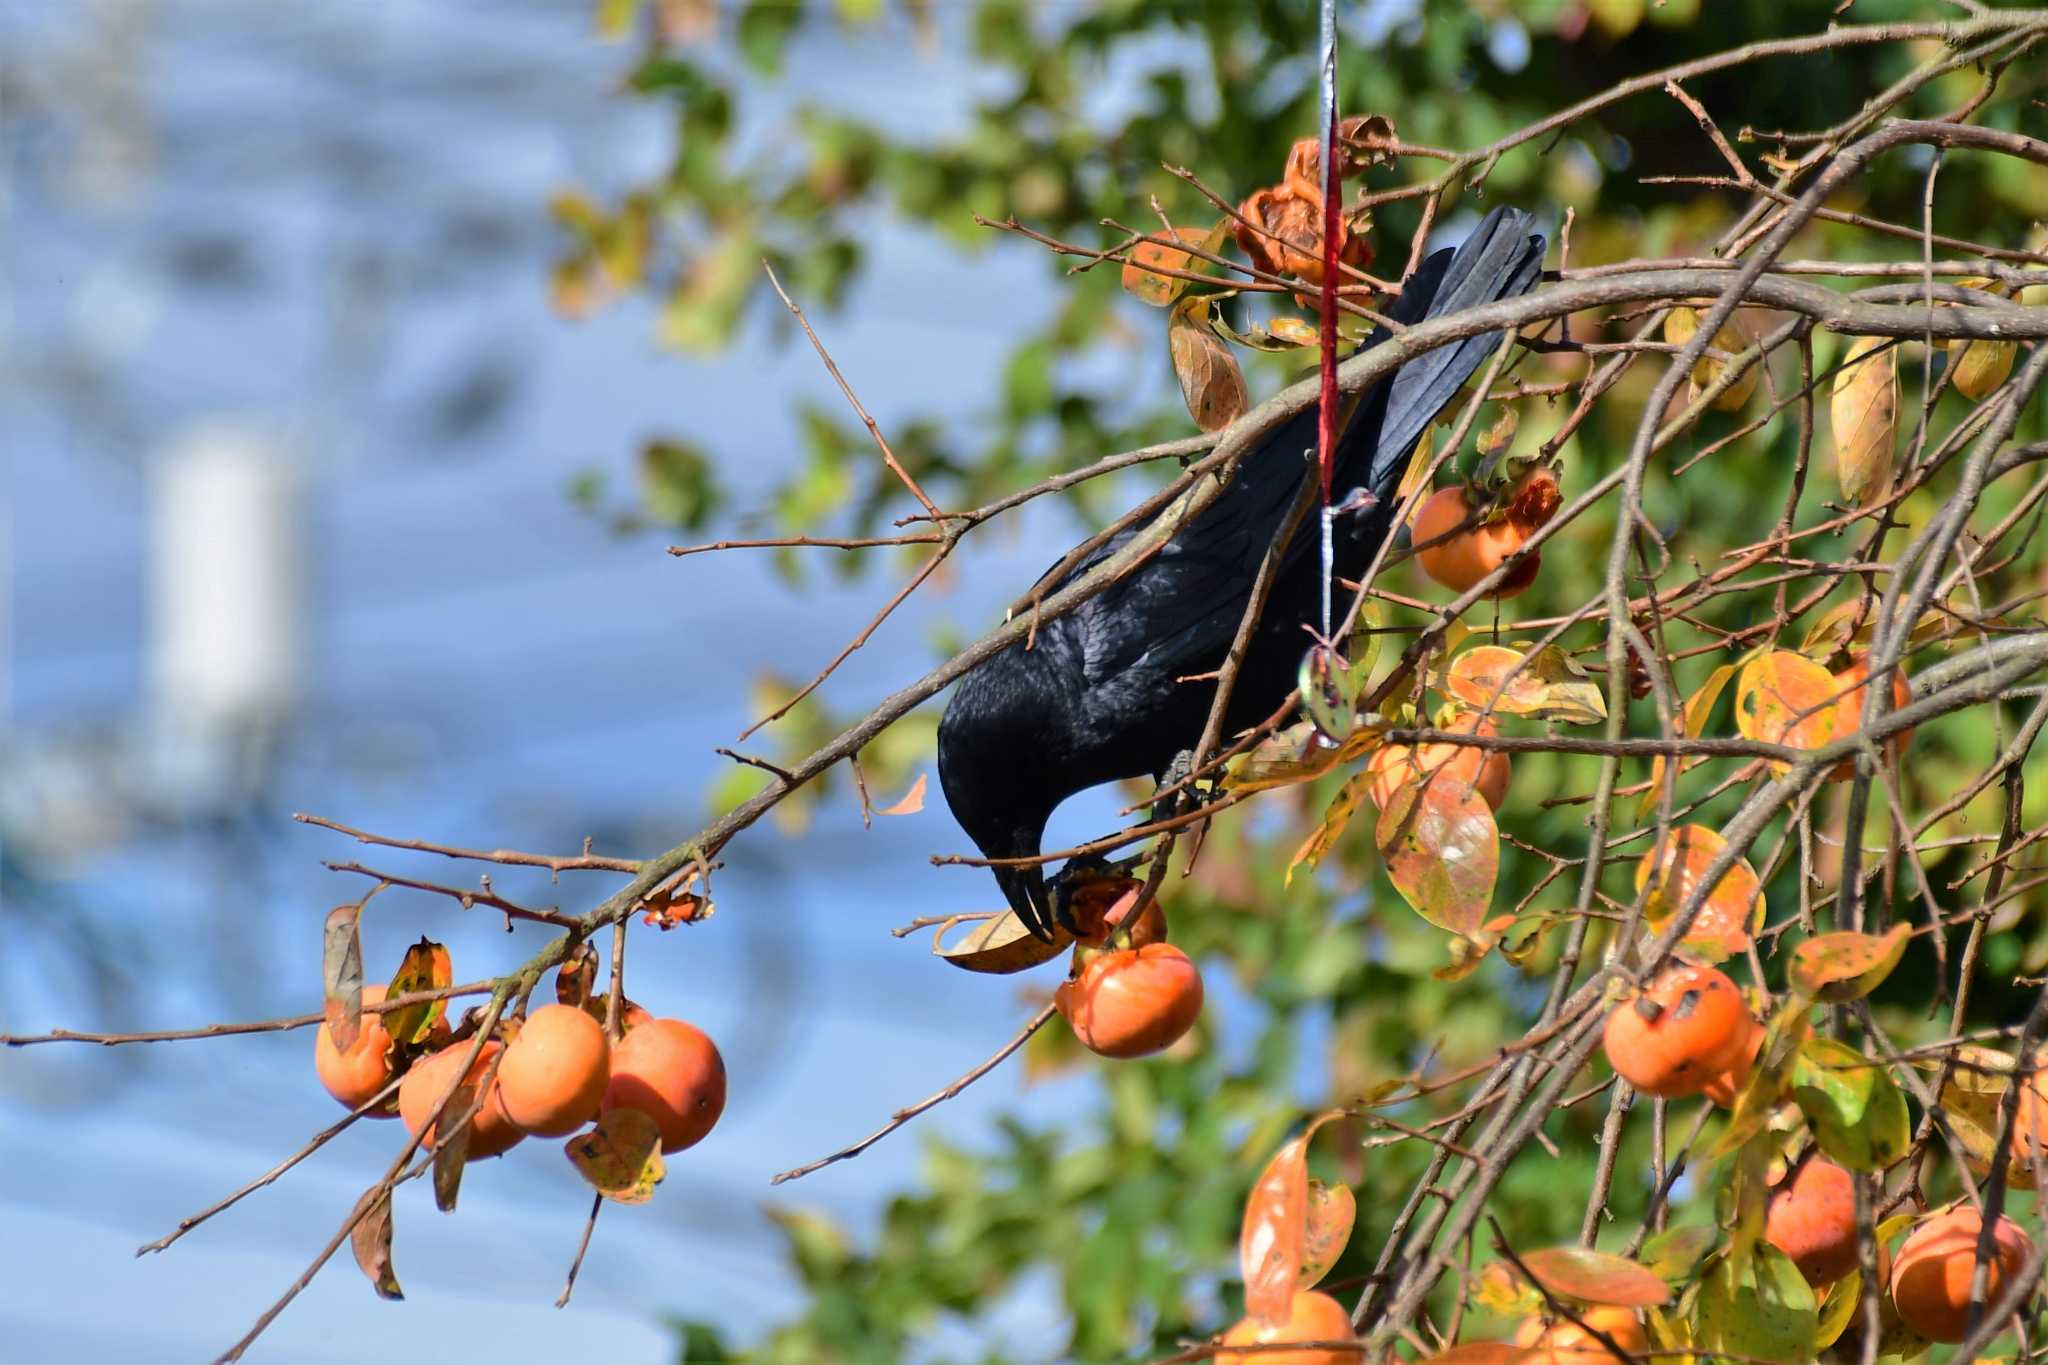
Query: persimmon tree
{"type": "Point", "coordinates": [1643, 869]}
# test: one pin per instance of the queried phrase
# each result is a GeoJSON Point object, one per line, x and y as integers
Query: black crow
{"type": "Point", "coordinates": [1097, 696]}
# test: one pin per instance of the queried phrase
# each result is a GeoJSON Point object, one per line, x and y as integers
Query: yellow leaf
{"type": "Point", "coordinates": [620, 1157]}
{"type": "Point", "coordinates": [1864, 410]}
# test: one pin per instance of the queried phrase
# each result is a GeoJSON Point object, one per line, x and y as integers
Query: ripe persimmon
{"type": "Point", "coordinates": [671, 1072]}
{"type": "Point", "coordinates": [1313, 1316]}
{"type": "Point", "coordinates": [1394, 767]}
{"type": "Point", "coordinates": [1930, 1280]}
{"type": "Point", "coordinates": [1723, 1089]}
{"type": "Point", "coordinates": [1564, 1342]}
{"type": "Point", "coordinates": [2030, 1124]}
{"type": "Point", "coordinates": [1132, 1002]}
{"type": "Point", "coordinates": [1684, 1029]}
{"type": "Point", "coordinates": [1849, 712]}
{"type": "Point", "coordinates": [491, 1131]}
{"type": "Point", "coordinates": [1811, 1217]}
{"type": "Point", "coordinates": [555, 1070]}
{"type": "Point", "coordinates": [1466, 556]}
{"type": "Point", "coordinates": [355, 1076]}
{"type": "Point", "coordinates": [1099, 907]}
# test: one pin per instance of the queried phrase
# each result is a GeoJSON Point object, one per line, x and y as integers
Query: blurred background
{"type": "Point", "coordinates": [358, 361]}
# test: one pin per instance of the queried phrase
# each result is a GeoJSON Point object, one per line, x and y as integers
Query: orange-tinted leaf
{"type": "Point", "coordinates": [1542, 685]}
{"type": "Point", "coordinates": [1001, 945]}
{"type": "Point", "coordinates": [1723, 924]}
{"type": "Point", "coordinates": [371, 1241]}
{"type": "Point", "coordinates": [1698, 707]}
{"type": "Point", "coordinates": [1332, 1209]}
{"type": "Point", "coordinates": [576, 982]}
{"type": "Point", "coordinates": [1478, 1353]}
{"type": "Point", "coordinates": [1499, 1290]}
{"type": "Point", "coordinates": [1864, 409]}
{"type": "Point", "coordinates": [1161, 290]}
{"type": "Point", "coordinates": [1785, 698]}
{"type": "Point", "coordinates": [620, 1157]}
{"type": "Point", "coordinates": [1596, 1277]}
{"type": "Point", "coordinates": [912, 802]}
{"type": "Point", "coordinates": [1210, 382]}
{"type": "Point", "coordinates": [1442, 851]}
{"type": "Point", "coordinates": [1846, 966]}
{"type": "Point", "coordinates": [1275, 1232]}
{"type": "Point", "coordinates": [1297, 754]}
{"type": "Point", "coordinates": [1295, 332]}
{"type": "Point", "coordinates": [341, 975]}
{"type": "Point", "coordinates": [425, 967]}
{"type": "Point", "coordinates": [1336, 816]}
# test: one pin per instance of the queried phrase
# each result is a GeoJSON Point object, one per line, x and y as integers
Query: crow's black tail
{"type": "Point", "coordinates": [1501, 259]}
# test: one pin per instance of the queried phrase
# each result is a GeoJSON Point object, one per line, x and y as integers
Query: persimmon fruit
{"type": "Point", "coordinates": [1811, 1217]}
{"type": "Point", "coordinates": [555, 1071]}
{"type": "Point", "coordinates": [492, 1131]}
{"type": "Point", "coordinates": [1312, 1316]}
{"type": "Point", "coordinates": [1396, 767]}
{"type": "Point", "coordinates": [1100, 907]}
{"type": "Point", "coordinates": [671, 1072]}
{"type": "Point", "coordinates": [1725, 1086]}
{"type": "Point", "coordinates": [1930, 1281]}
{"type": "Point", "coordinates": [1132, 1002]}
{"type": "Point", "coordinates": [1470, 554]}
{"type": "Point", "coordinates": [2030, 1124]}
{"type": "Point", "coordinates": [1564, 1342]}
{"type": "Point", "coordinates": [1683, 1031]}
{"type": "Point", "coordinates": [354, 1077]}
{"type": "Point", "coordinates": [1849, 712]}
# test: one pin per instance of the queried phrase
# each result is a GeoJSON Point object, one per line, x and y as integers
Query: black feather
{"type": "Point", "coordinates": [1097, 697]}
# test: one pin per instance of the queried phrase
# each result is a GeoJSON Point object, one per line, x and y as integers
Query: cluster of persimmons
{"type": "Point", "coordinates": [546, 1074]}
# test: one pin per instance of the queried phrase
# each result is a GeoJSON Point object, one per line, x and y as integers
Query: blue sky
{"type": "Point", "coordinates": [323, 219]}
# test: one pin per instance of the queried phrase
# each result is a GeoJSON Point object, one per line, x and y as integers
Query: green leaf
{"type": "Point", "coordinates": [764, 31]}
{"type": "Point", "coordinates": [1329, 691]}
{"type": "Point", "coordinates": [425, 967]}
{"type": "Point", "coordinates": [676, 484]}
{"type": "Point", "coordinates": [1858, 1114]}
{"type": "Point", "coordinates": [1762, 1310]}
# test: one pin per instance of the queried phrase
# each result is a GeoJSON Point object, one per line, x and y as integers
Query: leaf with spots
{"type": "Point", "coordinates": [1139, 279]}
{"type": "Point", "coordinates": [1785, 698]}
{"type": "Point", "coordinates": [1332, 1210]}
{"type": "Point", "coordinates": [1845, 966]}
{"type": "Point", "coordinates": [1734, 902]}
{"type": "Point", "coordinates": [1543, 685]}
{"type": "Point", "coordinates": [1271, 1243]}
{"type": "Point", "coordinates": [1858, 1114]}
{"type": "Point", "coordinates": [620, 1157]}
{"type": "Point", "coordinates": [1442, 851]}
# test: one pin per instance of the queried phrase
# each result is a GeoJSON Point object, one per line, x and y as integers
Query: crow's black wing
{"type": "Point", "coordinates": [1178, 612]}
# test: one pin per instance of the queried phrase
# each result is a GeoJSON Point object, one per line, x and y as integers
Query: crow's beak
{"type": "Point", "coordinates": [1024, 887]}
